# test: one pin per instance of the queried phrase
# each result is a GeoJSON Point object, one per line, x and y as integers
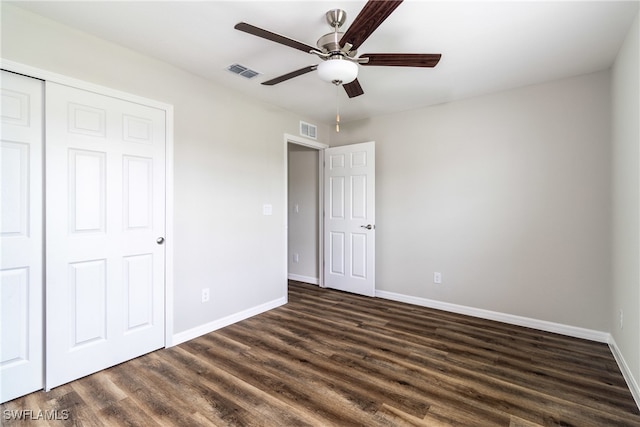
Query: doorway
{"type": "Point", "coordinates": [303, 218]}
{"type": "Point", "coordinates": [304, 205]}
{"type": "Point", "coordinates": [335, 249]}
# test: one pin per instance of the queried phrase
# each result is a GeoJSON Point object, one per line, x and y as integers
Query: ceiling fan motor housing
{"type": "Point", "coordinates": [330, 42]}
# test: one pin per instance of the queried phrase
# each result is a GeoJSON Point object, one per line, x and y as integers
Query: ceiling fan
{"type": "Point", "coordinates": [338, 50]}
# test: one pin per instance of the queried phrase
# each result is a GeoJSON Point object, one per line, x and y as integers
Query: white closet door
{"type": "Point", "coordinates": [21, 275]}
{"type": "Point", "coordinates": [105, 225]}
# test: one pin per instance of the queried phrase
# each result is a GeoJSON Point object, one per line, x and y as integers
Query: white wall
{"type": "Point", "coordinates": [224, 170]}
{"type": "Point", "coordinates": [626, 199]}
{"type": "Point", "coordinates": [303, 224]}
{"type": "Point", "coordinates": [506, 194]}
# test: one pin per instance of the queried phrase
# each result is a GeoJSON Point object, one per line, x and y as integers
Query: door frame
{"type": "Point", "coordinates": [46, 75]}
{"type": "Point", "coordinates": [320, 147]}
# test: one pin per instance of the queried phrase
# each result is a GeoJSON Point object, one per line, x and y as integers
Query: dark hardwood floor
{"type": "Point", "coordinates": [329, 358]}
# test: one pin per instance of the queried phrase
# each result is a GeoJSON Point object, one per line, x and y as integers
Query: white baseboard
{"type": "Point", "coordinates": [225, 321]}
{"type": "Point", "coordinates": [541, 325]}
{"type": "Point", "coordinates": [304, 279]}
{"type": "Point", "coordinates": [626, 372]}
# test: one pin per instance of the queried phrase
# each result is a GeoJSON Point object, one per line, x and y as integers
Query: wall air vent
{"type": "Point", "coordinates": [308, 130]}
{"type": "Point", "coordinates": [243, 71]}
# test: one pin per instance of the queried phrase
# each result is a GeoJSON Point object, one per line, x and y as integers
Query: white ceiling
{"type": "Point", "coordinates": [485, 46]}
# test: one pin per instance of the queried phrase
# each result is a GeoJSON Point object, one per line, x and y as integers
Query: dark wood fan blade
{"type": "Point", "coordinates": [248, 28]}
{"type": "Point", "coordinates": [402, 59]}
{"type": "Point", "coordinates": [353, 89]}
{"type": "Point", "coordinates": [370, 17]}
{"type": "Point", "coordinates": [290, 75]}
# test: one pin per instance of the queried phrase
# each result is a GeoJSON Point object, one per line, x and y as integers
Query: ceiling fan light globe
{"type": "Point", "coordinates": [338, 70]}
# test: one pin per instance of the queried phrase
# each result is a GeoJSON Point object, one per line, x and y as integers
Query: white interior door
{"type": "Point", "coordinates": [105, 211]}
{"type": "Point", "coordinates": [21, 240]}
{"type": "Point", "coordinates": [349, 219]}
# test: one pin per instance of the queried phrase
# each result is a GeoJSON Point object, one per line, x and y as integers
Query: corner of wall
{"type": "Point", "coordinates": [625, 208]}
{"type": "Point", "coordinates": [626, 371]}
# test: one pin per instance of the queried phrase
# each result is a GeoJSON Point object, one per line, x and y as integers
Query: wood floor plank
{"type": "Point", "coordinates": [70, 409]}
{"type": "Point", "coordinates": [401, 419]}
{"type": "Point", "coordinates": [341, 367]}
{"type": "Point", "coordinates": [24, 411]}
{"type": "Point", "coordinates": [98, 391]}
{"type": "Point", "coordinates": [191, 389]}
{"type": "Point", "coordinates": [127, 413]}
{"type": "Point", "coordinates": [328, 373]}
{"type": "Point", "coordinates": [333, 404]}
{"type": "Point", "coordinates": [147, 396]}
{"type": "Point", "coordinates": [329, 358]}
{"type": "Point", "coordinates": [257, 407]}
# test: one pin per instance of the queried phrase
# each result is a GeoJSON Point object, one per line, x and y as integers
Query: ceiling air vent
{"type": "Point", "coordinates": [243, 71]}
{"type": "Point", "coordinates": [308, 130]}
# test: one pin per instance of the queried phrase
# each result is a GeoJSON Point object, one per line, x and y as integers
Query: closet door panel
{"type": "Point", "coordinates": [105, 217]}
{"type": "Point", "coordinates": [21, 239]}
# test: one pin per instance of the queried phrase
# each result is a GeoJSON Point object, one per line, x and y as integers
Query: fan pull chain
{"type": "Point", "coordinates": [337, 108]}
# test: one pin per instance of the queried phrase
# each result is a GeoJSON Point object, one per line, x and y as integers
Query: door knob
{"type": "Point", "coordinates": [368, 226]}
{"type": "Point", "coordinates": [160, 240]}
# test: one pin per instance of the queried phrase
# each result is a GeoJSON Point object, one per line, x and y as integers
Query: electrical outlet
{"type": "Point", "coordinates": [437, 277]}
{"type": "Point", "coordinates": [205, 294]}
{"type": "Point", "coordinates": [621, 319]}
{"type": "Point", "coordinates": [296, 257]}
